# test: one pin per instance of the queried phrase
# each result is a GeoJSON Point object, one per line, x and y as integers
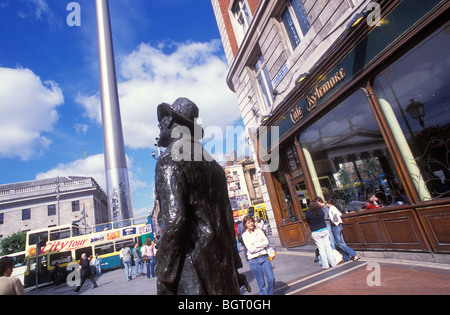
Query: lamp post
{"type": "Point", "coordinates": [417, 111]}
{"type": "Point", "coordinates": [117, 182]}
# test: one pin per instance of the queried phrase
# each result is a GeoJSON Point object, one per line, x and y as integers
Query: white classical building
{"type": "Point", "coordinates": [51, 202]}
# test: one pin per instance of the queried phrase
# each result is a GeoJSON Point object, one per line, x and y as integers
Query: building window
{"type": "Point", "coordinates": [75, 206]}
{"type": "Point", "coordinates": [264, 84]}
{"type": "Point", "coordinates": [346, 154]}
{"type": "Point", "coordinates": [241, 19]}
{"type": "Point", "coordinates": [26, 214]}
{"type": "Point", "coordinates": [414, 96]}
{"type": "Point", "coordinates": [295, 21]}
{"type": "Point", "coordinates": [51, 210]}
{"type": "Point", "coordinates": [2, 218]}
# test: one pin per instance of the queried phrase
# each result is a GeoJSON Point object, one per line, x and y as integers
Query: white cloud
{"type": "Point", "coordinates": [28, 110]}
{"type": "Point", "coordinates": [91, 166]}
{"type": "Point", "coordinates": [150, 76]}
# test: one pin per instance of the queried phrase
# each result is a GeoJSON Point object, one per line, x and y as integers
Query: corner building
{"type": "Point", "coordinates": [355, 94]}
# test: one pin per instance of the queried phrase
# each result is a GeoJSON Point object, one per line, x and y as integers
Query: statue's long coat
{"type": "Point", "coordinates": [197, 251]}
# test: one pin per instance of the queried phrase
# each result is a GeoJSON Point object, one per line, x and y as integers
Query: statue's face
{"type": "Point", "coordinates": [165, 134]}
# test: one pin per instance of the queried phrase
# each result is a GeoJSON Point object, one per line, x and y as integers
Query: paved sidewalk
{"type": "Point", "coordinates": [297, 274]}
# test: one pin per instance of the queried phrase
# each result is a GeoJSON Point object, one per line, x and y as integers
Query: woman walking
{"type": "Point", "coordinates": [319, 231]}
{"type": "Point", "coordinates": [256, 243]}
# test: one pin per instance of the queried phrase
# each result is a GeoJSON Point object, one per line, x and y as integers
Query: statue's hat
{"type": "Point", "coordinates": [183, 111]}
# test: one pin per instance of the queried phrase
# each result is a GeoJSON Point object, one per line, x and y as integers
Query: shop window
{"type": "Point", "coordinates": [348, 158]}
{"type": "Point", "coordinates": [414, 95]}
{"type": "Point", "coordinates": [287, 207]}
{"type": "Point", "coordinates": [292, 162]}
{"type": "Point", "coordinates": [295, 21]}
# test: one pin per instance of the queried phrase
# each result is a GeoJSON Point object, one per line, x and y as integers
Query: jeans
{"type": "Point", "coordinates": [99, 269]}
{"type": "Point", "coordinates": [128, 267]}
{"type": "Point", "coordinates": [322, 240]}
{"type": "Point", "coordinates": [330, 232]}
{"type": "Point", "coordinates": [150, 265]}
{"type": "Point", "coordinates": [261, 267]}
{"type": "Point", "coordinates": [337, 232]}
{"type": "Point", "coordinates": [139, 265]}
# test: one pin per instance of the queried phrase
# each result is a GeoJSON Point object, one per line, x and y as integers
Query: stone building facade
{"type": "Point", "coordinates": [51, 202]}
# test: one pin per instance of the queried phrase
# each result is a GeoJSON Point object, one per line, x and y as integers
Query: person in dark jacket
{"type": "Point", "coordinates": [85, 272]}
{"type": "Point", "coordinates": [319, 231]}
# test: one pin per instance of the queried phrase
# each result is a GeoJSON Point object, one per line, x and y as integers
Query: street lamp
{"type": "Point", "coordinates": [417, 111]}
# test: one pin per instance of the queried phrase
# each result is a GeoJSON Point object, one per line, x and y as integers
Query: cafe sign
{"type": "Point", "coordinates": [319, 92]}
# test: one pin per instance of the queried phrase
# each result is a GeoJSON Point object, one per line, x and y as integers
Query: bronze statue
{"type": "Point", "coordinates": [197, 253]}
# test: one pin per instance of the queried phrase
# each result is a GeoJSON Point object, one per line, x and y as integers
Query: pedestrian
{"type": "Point", "coordinates": [127, 262]}
{"type": "Point", "coordinates": [148, 252]}
{"type": "Point", "coordinates": [57, 274]}
{"type": "Point", "coordinates": [9, 285]}
{"type": "Point", "coordinates": [336, 227]}
{"type": "Point", "coordinates": [319, 232]}
{"type": "Point", "coordinates": [98, 264]}
{"type": "Point", "coordinates": [85, 272]}
{"type": "Point", "coordinates": [260, 224]}
{"type": "Point", "coordinates": [138, 261]}
{"type": "Point", "coordinates": [92, 265]}
{"type": "Point", "coordinates": [256, 243]}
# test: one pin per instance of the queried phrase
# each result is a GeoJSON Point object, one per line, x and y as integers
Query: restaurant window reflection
{"type": "Point", "coordinates": [347, 156]}
{"type": "Point", "coordinates": [415, 98]}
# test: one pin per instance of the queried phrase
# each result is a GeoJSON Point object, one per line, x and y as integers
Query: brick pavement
{"type": "Point", "coordinates": [360, 278]}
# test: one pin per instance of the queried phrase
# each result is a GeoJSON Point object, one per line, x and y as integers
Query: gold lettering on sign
{"type": "Point", "coordinates": [296, 114]}
{"type": "Point", "coordinates": [314, 96]}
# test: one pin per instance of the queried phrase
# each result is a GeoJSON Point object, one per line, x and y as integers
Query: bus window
{"type": "Point", "coordinates": [104, 249]}
{"type": "Point", "coordinates": [59, 234]}
{"type": "Point", "coordinates": [42, 264]}
{"type": "Point", "coordinates": [32, 238]}
{"type": "Point", "coordinates": [60, 258]}
{"type": "Point", "coordinates": [121, 224]}
{"type": "Point", "coordinates": [77, 231]}
{"type": "Point", "coordinates": [102, 227]}
{"type": "Point", "coordinates": [128, 242]}
{"type": "Point", "coordinates": [19, 260]}
{"type": "Point", "coordinates": [142, 220]}
{"type": "Point", "coordinates": [84, 250]}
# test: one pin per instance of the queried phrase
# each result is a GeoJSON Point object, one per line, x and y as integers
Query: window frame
{"type": "Point", "coordinates": [240, 9]}
{"type": "Point", "coordinates": [288, 8]}
{"type": "Point", "coordinates": [263, 84]}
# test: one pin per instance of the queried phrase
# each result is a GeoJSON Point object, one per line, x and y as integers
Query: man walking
{"type": "Point", "coordinates": [85, 272]}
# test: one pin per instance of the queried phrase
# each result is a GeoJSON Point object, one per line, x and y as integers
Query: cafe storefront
{"type": "Point", "coordinates": [373, 117]}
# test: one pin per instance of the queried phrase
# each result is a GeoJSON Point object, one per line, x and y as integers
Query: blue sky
{"type": "Point", "coordinates": [49, 85]}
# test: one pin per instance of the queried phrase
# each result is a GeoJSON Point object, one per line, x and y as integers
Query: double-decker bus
{"type": "Point", "coordinates": [66, 244]}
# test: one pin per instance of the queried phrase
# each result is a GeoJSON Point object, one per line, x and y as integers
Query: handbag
{"type": "Point", "coordinates": [272, 253]}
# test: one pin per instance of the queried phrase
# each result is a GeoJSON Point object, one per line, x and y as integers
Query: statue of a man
{"type": "Point", "coordinates": [197, 253]}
